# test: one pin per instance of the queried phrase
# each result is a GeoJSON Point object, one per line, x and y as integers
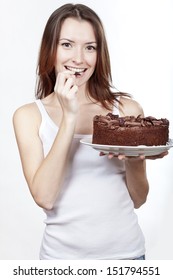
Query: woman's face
{"type": "Point", "coordinates": [77, 50]}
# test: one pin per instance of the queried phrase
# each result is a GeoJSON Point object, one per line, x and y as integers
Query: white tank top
{"type": "Point", "coordinates": [93, 217]}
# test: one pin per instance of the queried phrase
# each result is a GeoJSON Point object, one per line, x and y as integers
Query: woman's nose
{"type": "Point", "coordinates": [78, 56]}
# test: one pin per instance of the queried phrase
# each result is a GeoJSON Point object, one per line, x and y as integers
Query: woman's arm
{"type": "Point", "coordinates": [137, 183]}
{"type": "Point", "coordinates": [136, 177]}
{"type": "Point", "coordinates": [44, 175]}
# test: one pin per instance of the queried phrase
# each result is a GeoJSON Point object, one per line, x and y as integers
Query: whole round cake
{"type": "Point", "coordinates": [130, 131]}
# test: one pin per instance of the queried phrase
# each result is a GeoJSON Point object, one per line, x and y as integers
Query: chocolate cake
{"type": "Point", "coordinates": [130, 131]}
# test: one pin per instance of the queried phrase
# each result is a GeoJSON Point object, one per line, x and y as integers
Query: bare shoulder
{"type": "Point", "coordinates": [26, 109]}
{"type": "Point", "coordinates": [26, 114]}
{"type": "Point", "coordinates": [130, 107]}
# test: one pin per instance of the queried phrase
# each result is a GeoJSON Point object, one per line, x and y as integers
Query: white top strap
{"type": "Point", "coordinates": [41, 108]}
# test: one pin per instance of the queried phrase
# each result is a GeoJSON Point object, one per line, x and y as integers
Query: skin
{"type": "Point", "coordinates": [72, 111]}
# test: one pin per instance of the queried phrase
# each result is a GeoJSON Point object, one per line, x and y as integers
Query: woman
{"type": "Point", "coordinates": [89, 200]}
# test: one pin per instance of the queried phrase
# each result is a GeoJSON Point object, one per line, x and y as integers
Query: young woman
{"type": "Point", "coordinates": [89, 200]}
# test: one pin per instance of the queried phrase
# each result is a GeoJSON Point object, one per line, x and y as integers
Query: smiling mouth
{"type": "Point", "coordinates": [78, 71]}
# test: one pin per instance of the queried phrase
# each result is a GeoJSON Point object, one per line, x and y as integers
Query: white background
{"type": "Point", "coordinates": [140, 38]}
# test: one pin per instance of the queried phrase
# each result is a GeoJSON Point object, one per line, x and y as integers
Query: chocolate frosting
{"type": "Point", "coordinates": [114, 121]}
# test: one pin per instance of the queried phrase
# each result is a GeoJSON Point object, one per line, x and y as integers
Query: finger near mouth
{"type": "Point", "coordinates": [77, 74]}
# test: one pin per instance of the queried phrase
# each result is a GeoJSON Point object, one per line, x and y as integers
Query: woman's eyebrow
{"type": "Point", "coordinates": [71, 41]}
{"type": "Point", "coordinates": [91, 42]}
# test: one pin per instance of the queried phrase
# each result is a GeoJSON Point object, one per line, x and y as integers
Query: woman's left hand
{"type": "Point", "coordinates": [142, 157]}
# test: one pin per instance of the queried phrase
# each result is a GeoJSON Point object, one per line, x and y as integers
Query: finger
{"type": "Point", "coordinates": [69, 83]}
{"type": "Point", "coordinates": [142, 157]}
{"type": "Point", "coordinates": [165, 153]}
{"type": "Point", "coordinates": [158, 156]}
{"type": "Point", "coordinates": [121, 157]}
{"type": "Point", "coordinates": [102, 154]}
{"type": "Point", "coordinates": [61, 79]}
{"type": "Point", "coordinates": [66, 74]}
{"type": "Point", "coordinates": [132, 158]}
{"type": "Point", "coordinates": [110, 156]}
{"type": "Point", "coordinates": [73, 91]}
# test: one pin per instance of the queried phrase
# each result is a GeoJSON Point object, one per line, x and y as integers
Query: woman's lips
{"type": "Point", "coordinates": [77, 71]}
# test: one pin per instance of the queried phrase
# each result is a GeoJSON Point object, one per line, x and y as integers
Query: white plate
{"type": "Point", "coordinates": [129, 150]}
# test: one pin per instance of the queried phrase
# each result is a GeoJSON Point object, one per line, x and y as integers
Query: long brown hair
{"type": "Point", "coordinates": [100, 83]}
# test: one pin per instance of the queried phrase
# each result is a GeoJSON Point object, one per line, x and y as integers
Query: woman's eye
{"type": "Point", "coordinates": [91, 48]}
{"type": "Point", "coordinates": [66, 45]}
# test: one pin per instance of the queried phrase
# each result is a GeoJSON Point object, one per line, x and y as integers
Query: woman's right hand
{"type": "Point", "coordinates": [66, 91]}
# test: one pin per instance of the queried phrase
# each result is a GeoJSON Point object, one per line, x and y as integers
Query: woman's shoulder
{"type": "Point", "coordinates": [130, 107]}
{"type": "Point", "coordinates": [26, 107]}
{"type": "Point", "coordinates": [27, 113]}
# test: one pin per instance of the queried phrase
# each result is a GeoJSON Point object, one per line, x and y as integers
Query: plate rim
{"type": "Point", "coordinates": [85, 142]}
{"type": "Point", "coordinates": [131, 151]}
